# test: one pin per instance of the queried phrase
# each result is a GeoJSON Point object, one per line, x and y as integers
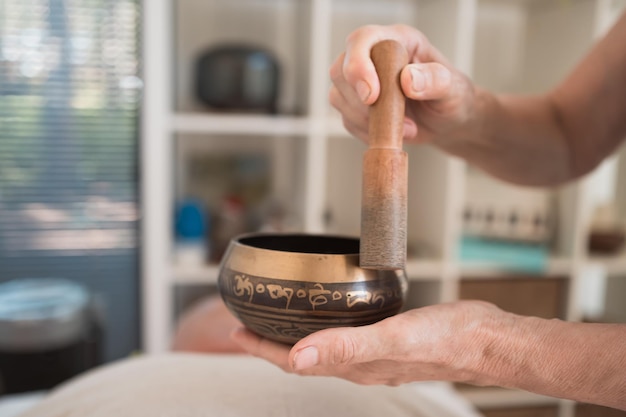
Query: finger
{"type": "Point", "coordinates": [360, 74]}
{"type": "Point", "coordinates": [358, 68]}
{"type": "Point", "coordinates": [341, 89]}
{"type": "Point", "coordinates": [357, 114]}
{"type": "Point", "coordinates": [357, 123]}
{"type": "Point", "coordinates": [355, 120]}
{"type": "Point", "coordinates": [410, 131]}
{"type": "Point", "coordinates": [276, 353]}
{"type": "Point", "coordinates": [358, 131]}
{"type": "Point", "coordinates": [338, 347]}
{"type": "Point", "coordinates": [429, 81]}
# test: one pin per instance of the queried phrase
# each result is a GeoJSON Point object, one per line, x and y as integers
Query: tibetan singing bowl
{"type": "Point", "coordinates": [287, 286]}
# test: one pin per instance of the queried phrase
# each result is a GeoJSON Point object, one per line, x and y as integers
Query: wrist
{"type": "Point", "coordinates": [496, 349]}
{"type": "Point", "coordinates": [473, 135]}
{"type": "Point", "coordinates": [477, 335]}
{"type": "Point", "coordinates": [513, 353]}
{"type": "Point", "coordinates": [486, 107]}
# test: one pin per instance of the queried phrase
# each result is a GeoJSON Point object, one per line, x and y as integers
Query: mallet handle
{"type": "Point", "coordinates": [385, 167]}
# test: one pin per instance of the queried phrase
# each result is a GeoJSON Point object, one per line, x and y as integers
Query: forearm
{"type": "Point", "coordinates": [518, 139]}
{"type": "Point", "coordinates": [579, 361]}
{"type": "Point", "coordinates": [557, 136]}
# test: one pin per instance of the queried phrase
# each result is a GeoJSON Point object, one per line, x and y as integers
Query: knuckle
{"type": "Point", "coordinates": [287, 369]}
{"type": "Point", "coordinates": [344, 352]}
{"type": "Point", "coordinates": [366, 31]}
{"type": "Point", "coordinates": [336, 69]}
{"type": "Point", "coordinates": [395, 380]}
{"type": "Point", "coordinates": [348, 126]}
{"type": "Point", "coordinates": [365, 381]}
{"type": "Point", "coordinates": [405, 29]}
{"type": "Point", "coordinates": [416, 34]}
{"type": "Point", "coordinates": [334, 97]}
{"type": "Point", "coordinates": [352, 70]}
{"type": "Point", "coordinates": [355, 131]}
{"type": "Point", "coordinates": [409, 32]}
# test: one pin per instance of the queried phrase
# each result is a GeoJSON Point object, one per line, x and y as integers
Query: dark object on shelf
{"type": "Point", "coordinates": [606, 242]}
{"type": "Point", "coordinates": [230, 221]}
{"type": "Point", "coordinates": [238, 77]}
{"type": "Point", "coordinates": [48, 334]}
{"type": "Point", "coordinates": [590, 410]}
{"type": "Point", "coordinates": [287, 286]}
{"type": "Point", "coordinates": [533, 411]}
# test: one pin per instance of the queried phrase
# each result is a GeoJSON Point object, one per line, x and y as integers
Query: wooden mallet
{"type": "Point", "coordinates": [385, 167]}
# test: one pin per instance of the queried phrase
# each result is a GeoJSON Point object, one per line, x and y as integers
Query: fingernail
{"type": "Point", "coordinates": [363, 90]}
{"type": "Point", "coordinates": [305, 358]}
{"type": "Point", "coordinates": [418, 80]}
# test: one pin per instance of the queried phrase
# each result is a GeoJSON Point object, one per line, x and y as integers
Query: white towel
{"type": "Point", "coordinates": [193, 385]}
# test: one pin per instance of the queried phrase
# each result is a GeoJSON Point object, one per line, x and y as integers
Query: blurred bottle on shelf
{"type": "Point", "coordinates": [607, 231]}
{"type": "Point", "coordinates": [273, 216]}
{"type": "Point", "coordinates": [230, 220]}
{"type": "Point", "coordinates": [192, 229]}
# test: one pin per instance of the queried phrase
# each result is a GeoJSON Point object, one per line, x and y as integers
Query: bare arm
{"type": "Point", "coordinates": [519, 140]}
{"type": "Point", "coordinates": [468, 341]}
{"type": "Point", "coordinates": [566, 132]}
{"type": "Point", "coordinates": [580, 361]}
{"type": "Point", "coordinates": [534, 140]}
{"type": "Point", "coordinates": [591, 102]}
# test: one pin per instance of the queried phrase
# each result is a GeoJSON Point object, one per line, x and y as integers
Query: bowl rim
{"type": "Point", "coordinates": [242, 259]}
{"type": "Point", "coordinates": [238, 241]}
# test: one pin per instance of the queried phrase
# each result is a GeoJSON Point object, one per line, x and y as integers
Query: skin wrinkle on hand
{"type": "Point", "coordinates": [418, 79]}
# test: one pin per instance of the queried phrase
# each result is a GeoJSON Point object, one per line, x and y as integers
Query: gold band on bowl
{"type": "Point", "coordinates": [255, 259]}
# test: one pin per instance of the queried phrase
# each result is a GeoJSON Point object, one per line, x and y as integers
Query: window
{"type": "Point", "coordinates": [69, 102]}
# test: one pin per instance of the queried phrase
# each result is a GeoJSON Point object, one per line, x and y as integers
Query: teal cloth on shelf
{"type": "Point", "coordinates": [508, 255]}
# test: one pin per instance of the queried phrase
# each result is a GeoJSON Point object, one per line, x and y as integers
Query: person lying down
{"type": "Point", "coordinates": [215, 380]}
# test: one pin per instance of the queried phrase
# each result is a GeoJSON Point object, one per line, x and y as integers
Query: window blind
{"type": "Point", "coordinates": [69, 101]}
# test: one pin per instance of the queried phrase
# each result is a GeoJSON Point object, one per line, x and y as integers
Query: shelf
{"type": "Point", "coordinates": [424, 269]}
{"type": "Point", "coordinates": [336, 128]}
{"type": "Point", "coordinates": [239, 124]}
{"type": "Point", "coordinates": [416, 269]}
{"type": "Point", "coordinates": [556, 266]}
{"type": "Point", "coordinates": [612, 265]}
{"type": "Point", "coordinates": [194, 275]}
{"type": "Point", "coordinates": [501, 397]}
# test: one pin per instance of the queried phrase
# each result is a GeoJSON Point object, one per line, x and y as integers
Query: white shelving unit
{"type": "Point", "coordinates": [504, 45]}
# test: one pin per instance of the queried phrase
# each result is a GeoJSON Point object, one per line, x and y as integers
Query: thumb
{"type": "Point", "coordinates": [338, 346]}
{"type": "Point", "coordinates": [426, 81]}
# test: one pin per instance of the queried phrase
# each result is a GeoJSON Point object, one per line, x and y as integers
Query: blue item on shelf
{"type": "Point", "coordinates": [191, 220]}
{"type": "Point", "coordinates": [191, 226]}
{"type": "Point", "coordinates": [507, 255]}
